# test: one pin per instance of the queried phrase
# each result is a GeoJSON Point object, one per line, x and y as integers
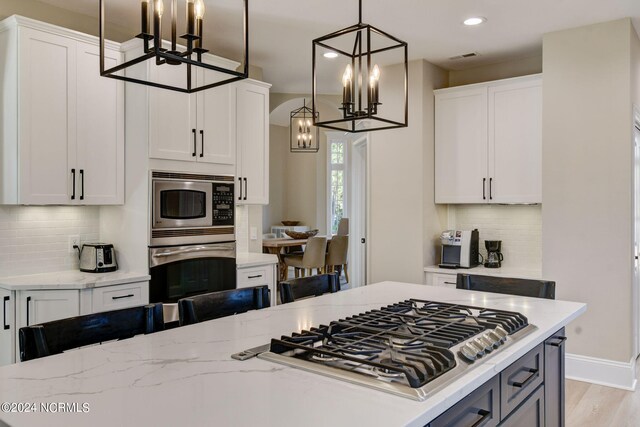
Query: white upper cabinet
{"type": "Point", "coordinates": [488, 142]}
{"type": "Point", "coordinates": [197, 127]}
{"type": "Point", "coordinates": [252, 170]}
{"type": "Point", "coordinates": [65, 143]}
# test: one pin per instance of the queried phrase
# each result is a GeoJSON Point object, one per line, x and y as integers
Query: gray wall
{"type": "Point", "coordinates": [587, 182]}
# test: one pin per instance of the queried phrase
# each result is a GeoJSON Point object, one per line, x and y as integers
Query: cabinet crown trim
{"type": "Point", "coordinates": [530, 77]}
{"type": "Point", "coordinates": [15, 21]}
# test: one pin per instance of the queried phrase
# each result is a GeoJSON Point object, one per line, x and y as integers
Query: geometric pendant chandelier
{"type": "Point", "coordinates": [349, 62]}
{"type": "Point", "coordinates": [303, 134]}
{"type": "Point", "coordinates": [171, 38]}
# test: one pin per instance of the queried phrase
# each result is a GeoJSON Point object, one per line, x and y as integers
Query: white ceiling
{"type": "Point", "coordinates": [281, 31]}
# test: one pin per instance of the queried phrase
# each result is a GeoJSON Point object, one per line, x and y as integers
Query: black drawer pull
{"type": "Point", "coordinates": [4, 307]}
{"type": "Point", "coordinates": [82, 184]}
{"type": "Point", "coordinates": [255, 277]}
{"type": "Point", "coordinates": [194, 143]}
{"type": "Point", "coordinates": [486, 416]}
{"type": "Point", "coordinates": [484, 186]}
{"type": "Point", "coordinates": [123, 296]}
{"type": "Point", "coordinates": [240, 179]}
{"type": "Point", "coordinates": [534, 374]}
{"type": "Point", "coordinates": [28, 301]}
{"type": "Point", "coordinates": [490, 190]}
{"type": "Point", "coordinates": [449, 283]}
{"type": "Point", "coordinates": [202, 143]}
{"type": "Point", "coordinates": [73, 180]}
{"type": "Point", "coordinates": [558, 343]}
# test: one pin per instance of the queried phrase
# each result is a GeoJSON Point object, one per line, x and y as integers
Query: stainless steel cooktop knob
{"type": "Point", "coordinates": [477, 347]}
{"type": "Point", "coordinates": [501, 333]}
{"type": "Point", "coordinates": [468, 352]}
{"type": "Point", "coordinates": [485, 343]}
{"type": "Point", "coordinates": [494, 338]}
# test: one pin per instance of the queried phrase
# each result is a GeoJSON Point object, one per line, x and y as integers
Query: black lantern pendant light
{"type": "Point", "coordinates": [187, 52]}
{"type": "Point", "coordinates": [303, 134]}
{"type": "Point", "coordinates": [357, 53]}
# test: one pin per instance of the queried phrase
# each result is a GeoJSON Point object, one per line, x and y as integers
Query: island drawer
{"type": "Point", "coordinates": [120, 296]}
{"type": "Point", "coordinates": [520, 379]}
{"type": "Point", "coordinates": [480, 408]}
{"type": "Point", "coordinates": [530, 413]}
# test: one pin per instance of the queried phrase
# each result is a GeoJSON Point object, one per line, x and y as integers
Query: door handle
{"type": "Point", "coordinates": [28, 301]}
{"type": "Point", "coordinates": [363, 240]}
{"type": "Point", "coordinates": [240, 179]}
{"type": "Point", "coordinates": [484, 185]}
{"type": "Point", "coordinates": [81, 184]}
{"type": "Point", "coordinates": [246, 188]}
{"type": "Point", "coordinates": [490, 189]}
{"type": "Point", "coordinates": [194, 143]}
{"type": "Point", "coordinates": [4, 307]}
{"type": "Point", "coordinates": [201, 143]}
{"type": "Point", "coordinates": [73, 179]}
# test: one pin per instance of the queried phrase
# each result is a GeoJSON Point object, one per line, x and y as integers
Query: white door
{"type": "Point", "coordinates": [252, 127]}
{"type": "Point", "coordinates": [358, 213]}
{"type": "Point", "coordinates": [34, 307]}
{"type": "Point", "coordinates": [515, 142]}
{"type": "Point", "coordinates": [7, 328]}
{"type": "Point", "coordinates": [47, 114]}
{"type": "Point", "coordinates": [636, 233]}
{"type": "Point", "coordinates": [172, 117]}
{"type": "Point", "coordinates": [461, 146]}
{"type": "Point", "coordinates": [100, 129]}
{"type": "Point", "coordinates": [216, 123]}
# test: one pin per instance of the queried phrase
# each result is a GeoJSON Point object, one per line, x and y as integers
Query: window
{"type": "Point", "coordinates": [337, 203]}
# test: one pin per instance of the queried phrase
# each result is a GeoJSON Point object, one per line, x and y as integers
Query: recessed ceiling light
{"type": "Point", "coordinates": [474, 20]}
{"type": "Point", "coordinates": [331, 55]}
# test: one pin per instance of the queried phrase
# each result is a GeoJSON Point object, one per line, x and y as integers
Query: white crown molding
{"type": "Point", "coordinates": [604, 372]}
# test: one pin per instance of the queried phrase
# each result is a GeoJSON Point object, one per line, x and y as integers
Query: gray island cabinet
{"type": "Point", "coordinates": [186, 376]}
{"type": "Point", "coordinates": [528, 393]}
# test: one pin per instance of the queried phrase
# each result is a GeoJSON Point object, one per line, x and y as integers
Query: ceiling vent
{"type": "Point", "coordinates": [464, 56]}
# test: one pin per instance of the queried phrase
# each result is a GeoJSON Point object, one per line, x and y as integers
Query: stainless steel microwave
{"type": "Point", "coordinates": [190, 208]}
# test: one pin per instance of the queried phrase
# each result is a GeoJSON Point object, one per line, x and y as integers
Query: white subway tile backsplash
{"type": "Point", "coordinates": [242, 228]}
{"type": "Point", "coordinates": [518, 226]}
{"type": "Point", "coordinates": [34, 239]}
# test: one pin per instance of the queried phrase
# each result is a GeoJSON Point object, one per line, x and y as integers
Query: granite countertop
{"type": "Point", "coordinates": [249, 259]}
{"type": "Point", "coordinates": [185, 376]}
{"type": "Point", "coordinates": [72, 279]}
{"type": "Point", "coordinates": [523, 273]}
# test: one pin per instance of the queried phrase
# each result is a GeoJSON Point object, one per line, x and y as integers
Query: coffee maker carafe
{"type": "Point", "coordinates": [494, 256]}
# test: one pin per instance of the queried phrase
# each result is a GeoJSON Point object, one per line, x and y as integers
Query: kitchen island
{"type": "Point", "coordinates": [186, 376]}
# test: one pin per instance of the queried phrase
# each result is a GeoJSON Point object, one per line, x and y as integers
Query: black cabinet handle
{"type": "Point", "coordinates": [194, 142]}
{"type": "Point", "coordinates": [4, 307]}
{"type": "Point", "coordinates": [81, 184]}
{"type": "Point", "coordinates": [28, 301]}
{"type": "Point", "coordinates": [123, 296]}
{"type": "Point", "coordinates": [558, 343]}
{"type": "Point", "coordinates": [202, 143]}
{"type": "Point", "coordinates": [449, 283]}
{"type": "Point", "coordinates": [484, 185]}
{"type": "Point", "coordinates": [255, 277]}
{"type": "Point", "coordinates": [490, 190]}
{"type": "Point", "coordinates": [73, 179]}
{"type": "Point", "coordinates": [240, 179]}
{"type": "Point", "coordinates": [246, 188]}
{"type": "Point", "coordinates": [485, 417]}
{"type": "Point", "coordinates": [533, 374]}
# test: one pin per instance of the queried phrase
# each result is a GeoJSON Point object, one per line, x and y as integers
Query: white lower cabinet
{"type": "Point", "coordinates": [249, 277]}
{"type": "Point", "coordinates": [31, 307]}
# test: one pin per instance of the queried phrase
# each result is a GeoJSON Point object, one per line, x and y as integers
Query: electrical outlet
{"type": "Point", "coordinates": [74, 240]}
{"type": "Point", "coordinates": [254, 233]}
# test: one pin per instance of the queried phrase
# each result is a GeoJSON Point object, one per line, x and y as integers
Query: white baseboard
{"type": "Point", "coordinates": [604, 372]}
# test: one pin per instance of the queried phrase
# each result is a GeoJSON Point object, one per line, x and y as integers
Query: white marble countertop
{"type": "Point", "coordinates": [185, 376]}
{"type": "Point", "coordinates": [73, 279]}
{"type": "Point", "coordinates": [522, 273]}
{"type": "Point", "coordinates": [249, 259]}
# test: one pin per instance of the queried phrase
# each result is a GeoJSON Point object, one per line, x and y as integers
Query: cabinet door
{"type": "Point", "coordinates": [530, 413]}
{"type": "Point", "coordinates": [7, 334]}
{"type": "Point", "coordinates": [515, 141]}
{"type": "Point", "coordinates": [252, 124]}
{"type": "Point", "coordinates": [461, 146]}
{"type": "Point", "coordinates": [172, 116]}
{"type": "Point", "coordinates": [216, 123]}
{"type": "Point", "coordinates": [47, 116]}
{"type": "Point", "coordinates": [100, 129]}
{"type": "Point", "coordinates": [554, 382]}
{"type": "Point", "coordinates": [34, 307]}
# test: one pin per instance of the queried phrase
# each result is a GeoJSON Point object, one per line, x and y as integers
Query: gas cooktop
{"type": "Point", "coordinates": [411, 348]}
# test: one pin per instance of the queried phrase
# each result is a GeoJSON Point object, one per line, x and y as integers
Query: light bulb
{"type": "Point", "coordinates": [347, 76]}
{"type": "Point", "coordinates": [199, 9]}
{"type": "Point", "coordinates": [308, 123]}
{"type": "Point", "coordinates": [159, 8]}
{"type": "Point", "coordinates": [376, 72]}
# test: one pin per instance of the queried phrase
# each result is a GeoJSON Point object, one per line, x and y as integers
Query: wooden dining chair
{"type": "Point", "coordinates": [313, 257]}
{"type": "Point", "coordinates": [305, 287]}
{"type": "Point", "coordinates": [215, 305]}
{"type": "Point", "coordinates": [55, 337]}
{"type": "Point", "coordinates": [336, 259]}
{"type": "Point", "coordinates": [506, 285]}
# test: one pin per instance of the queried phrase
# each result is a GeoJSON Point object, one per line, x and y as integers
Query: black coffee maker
{"type": "Point", "coordinates": [494, 256]}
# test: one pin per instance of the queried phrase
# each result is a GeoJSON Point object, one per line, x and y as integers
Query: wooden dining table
{"type": "Point", "coordinates": [276, 246]}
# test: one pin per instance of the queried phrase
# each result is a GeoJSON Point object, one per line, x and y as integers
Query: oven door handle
{"type": "Point", "coordinates": [186, 251]}
{"type": "Point", "coordinates": [159, 256]}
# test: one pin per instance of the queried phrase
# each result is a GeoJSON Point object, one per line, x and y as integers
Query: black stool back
{"type": "Point", "coordinates": [214, 305]}
{"type": "Point", "coordinates": [505, 285]}
{"type": "Point", "coordinates": [308, 286]}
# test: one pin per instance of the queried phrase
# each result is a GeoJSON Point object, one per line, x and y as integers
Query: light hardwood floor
{"type": "Point", "coordinates": [590, 405]}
